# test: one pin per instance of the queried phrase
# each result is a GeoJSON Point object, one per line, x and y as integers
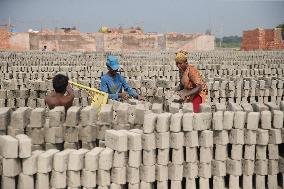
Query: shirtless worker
{"type": "Point", "coordinates": [63, 94]}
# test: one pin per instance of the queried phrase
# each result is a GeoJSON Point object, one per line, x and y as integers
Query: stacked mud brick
{"type": "Point", "coordinates": [234, 146]}
{"type": "Point", "coordinates": [78, 127]}
{"type": "Point", "coordinates": [232, 76]}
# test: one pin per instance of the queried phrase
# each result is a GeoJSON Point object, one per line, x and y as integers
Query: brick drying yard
{"type": "Point", "coordinates": [234, 142]}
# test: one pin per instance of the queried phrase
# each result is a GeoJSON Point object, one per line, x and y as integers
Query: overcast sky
{"type": "Point", "coordinates": [223, 17]}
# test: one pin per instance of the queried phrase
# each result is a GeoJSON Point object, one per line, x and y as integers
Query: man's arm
{"type": "Point", "coordinates": [104, 88]}
{"type": "Point", "coordinates": [192, 92]}
{"type": "Point", "coordinates": [128, 89]}
{"type": "Point", "coordinates": [70, 91]}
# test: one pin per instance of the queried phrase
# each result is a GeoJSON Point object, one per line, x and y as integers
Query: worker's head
{"type": "Point", "coordinates": [112, 64]}
{"type": "Point", "coordinates": [60, 82]}
{"type": "Point", "coordinates": [181, 60]}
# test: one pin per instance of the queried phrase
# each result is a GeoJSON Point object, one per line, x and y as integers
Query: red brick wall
{"type": "Point", "coordinates": [262, 39]}
{"type": "Point", "coordinates": [4, 39]}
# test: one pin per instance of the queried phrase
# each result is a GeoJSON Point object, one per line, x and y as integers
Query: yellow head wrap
{"type": "Point", "coordinates": [181, 56]}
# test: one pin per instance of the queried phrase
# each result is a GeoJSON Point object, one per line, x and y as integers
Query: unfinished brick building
{"type": "Point", "coordinates": [81, 41]}
{"type": "Point", "coordinates": [262, 39]}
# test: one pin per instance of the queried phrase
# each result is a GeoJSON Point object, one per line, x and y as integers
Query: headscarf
{"type": "Point", "coordinates": [181, 56]}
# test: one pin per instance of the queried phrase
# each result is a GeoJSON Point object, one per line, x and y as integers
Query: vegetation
{"type": "Point", "coordinates": [282, 27]}
{"type": "Point", "coordinates": [229, 42]}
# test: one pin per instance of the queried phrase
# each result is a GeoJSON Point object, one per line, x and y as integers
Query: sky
{"type": "Point", "coordinates": [222, 17]}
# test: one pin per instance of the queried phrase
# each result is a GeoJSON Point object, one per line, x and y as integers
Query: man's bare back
{"type": "Point", "coordinates": [59, 100]}
{"type": "Point", "coordinates": [63, 94]}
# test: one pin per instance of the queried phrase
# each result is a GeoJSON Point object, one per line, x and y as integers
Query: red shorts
{"type": "Point", "coordinates": [196, 101]}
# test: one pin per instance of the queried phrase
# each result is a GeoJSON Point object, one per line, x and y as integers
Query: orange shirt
{"type": "Point", "coordinates": [191, 78]}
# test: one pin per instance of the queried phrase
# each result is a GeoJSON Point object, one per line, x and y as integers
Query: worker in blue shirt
{"type": "Point", "coordinates": [112, 82]}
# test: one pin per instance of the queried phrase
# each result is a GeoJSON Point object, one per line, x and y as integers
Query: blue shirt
{"type": "Point", "coordinates": [113, 86]}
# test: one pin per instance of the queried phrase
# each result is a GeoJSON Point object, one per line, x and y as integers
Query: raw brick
{"type": "Point", "coordinates": [228, 120]}
{"type": "Point", "coordinates": [253, 120]}
{"type": "Point", "coordinates": [25, 146]}
{"type": "Point", "coordinates": [132, 175]}
{"type": "Point", "coordinates": [202, 121]}
{"type": "Point", "coordinates": [88, 116]}
{"type": "Point", "coordinates": [122, 113]}
{"type": "Point", "coordinates": [45, 161]}
{"type": "Point", "coordinates": [275, 136]}
{"type": "Point", "coordinates": [163, 156]}
{"type": "Point", "coordinates": [237, 152]}
{"type": "Point", "coordinates": [106, 159]}
{"type": "Point", "coordinates": [150, 121]}
{"type": "Point", "coordinates": [176, 140]}
{"type": "Point", "coordinates": [187, 122]}
{"type": "Point", "coordinates": [37, 118]}
{"type": "Point", "coordinates": [119, 159]}
{"type": "Point", "coordinates": [260, 152]}
{"type": "Point", "coordinates": [176, 122]}
{"type": "Point", "coordinates": [206, 154]}
{"type": "Point", "coordinates": [106, 114]}
{"type": "Point", "coordinates": [25, 181]}
{"type": "Point", "coordinates": [261, 167]}
{"type": "Point", "coordinates": [236, 136]}
{"type": "Point", "coordinates": [221, 153]}
{"type": "Point", "coordinates": [8, 146]}
{"type": "Point", "coordinates": [73, 116]}
{"type": "Point", "coordinates": [221, 137]}
{"type": "Point", "coordinates": [56, 116]}
{"type": "Point", "coordinates": [5, 117]}
{"type": "Point", "coordinates": [11, 167]}
{"type": "Point", "coordinates": [134, 158]}
{"type": "Point", "coordinates": [191, 154]}
{"type": "Point", "coordinates": [175, 172]}
{"type": "Point", "coordinates": [250, 137]}
{"type": "Point", "coordinates": [163, 140]}
{"type": "Point", "coordinates": [218, 120]}
{"type": "Point", "coordinates": [248, 167]}
{"type": "Point", "coordinates": [58, 179]}
{"type": "Point", "coordinates": [204, 170]}
{"type": "Point", "coordinates": [218, 168]}
{"type": "Point", "coordinates": [149, 157]}
{"type": "Point", "coordinates": [118, 175]}
{"type": "Point", "coordinates": [249, 153]}
{"type": "Point", "coordinates": [190, 170]}
{"type": "Point", "coordinates": [76, 159]}
{"type": "Point", "coordinates": [191, 139]}
{"type": "Point", "coordinates": [134, 140]}
{"type": "Point", "coordinates": [163, 122]}
{"type": "Point", "coordinates": [234, 167]}
{"type": "Point", "coordinates": [265, 117]}
{"type": "Point", "coordinates": [162, 173]}
{"type": "Point", "coordinates": [29, 165]}
{"type": "Point", "coordinates": [148, 141]}
{"type": "Point", "coordinates": [147, 173]}
{"type": "Point", "coordinates": [262, 137]}
{"type": "Point", "coordinates": [206, 138]}
{"type": "Point", "coordinates": [60, 160]}
{"type": "Point", "coordinates": [239, 120]}
{"type": "Point", "coordinates": [277, 119]}
{"type": "Point", "coordinates": [103, 177]}
{"type": "Point", "coordinates": [177, 156]}
{"type": "Point", "coordinates": [116, 140]}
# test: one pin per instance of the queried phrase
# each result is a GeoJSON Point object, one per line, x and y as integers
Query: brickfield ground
{"type": "Point", "coordinates": [234, 142]}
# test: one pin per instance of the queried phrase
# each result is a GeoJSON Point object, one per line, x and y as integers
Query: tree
{"type": "Point", "coordinates": [282, 27]}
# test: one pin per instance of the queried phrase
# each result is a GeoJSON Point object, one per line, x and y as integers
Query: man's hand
{"type": "Point", "coordinates": [141, 97]}
{"type": "Point", "coordinates": [123, 95]}
{"type": "Point", "coordinates": [176, 88]}
{"type": "Point", "coordinates": [182, 95]}
{"type": "Point", "coordinates": [69, 89]}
